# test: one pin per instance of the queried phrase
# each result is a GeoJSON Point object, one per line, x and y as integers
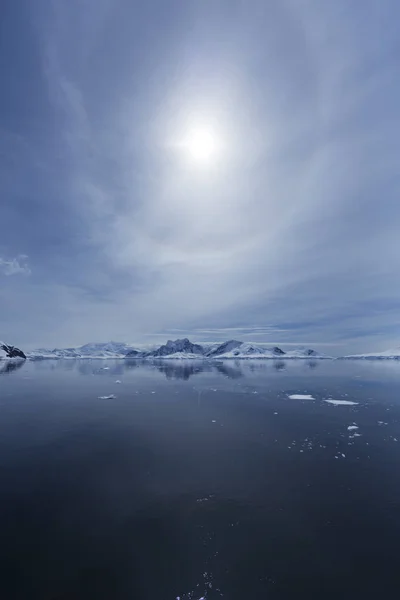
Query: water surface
{"type": "Point", "coordinates": [199, 480]}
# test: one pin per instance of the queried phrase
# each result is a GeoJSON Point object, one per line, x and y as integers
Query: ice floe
{"type": "Point", "coordinates": [341, 402]}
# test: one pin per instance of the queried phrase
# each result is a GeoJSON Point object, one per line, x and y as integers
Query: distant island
{"type": "Point", "coordinates": [177, 349]}
{"type": "Point", "coordinates": [183, 349]}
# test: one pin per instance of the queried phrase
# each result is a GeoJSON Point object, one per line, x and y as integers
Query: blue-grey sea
{"type": "Point", "coordinates": [124, 480]}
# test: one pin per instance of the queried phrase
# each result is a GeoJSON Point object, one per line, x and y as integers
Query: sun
{"type": "Point", "coordinates": [202, 145]}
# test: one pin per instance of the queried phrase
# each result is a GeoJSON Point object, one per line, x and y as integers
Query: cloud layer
{"type": "Point", "coordinates": [292, 237]}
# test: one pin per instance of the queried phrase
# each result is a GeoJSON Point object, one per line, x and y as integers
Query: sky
{"type": "Point", "coordinates": [113, 228]}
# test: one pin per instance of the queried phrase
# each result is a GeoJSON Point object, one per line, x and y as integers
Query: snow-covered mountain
{"type": "Point", "coordinates": [234, 349]}
{"type": "Point", "coordinates": [184, 349]}
{"type": "Point", "coordinates": [251, 350]}
{"type": "Point", "coordinates": [177, 349]}
{"type": "Point", "coordinates": [393, 354]}
{"type": "Point", "coordinates": [10, 352]}
{"type": "Point", "coordinates": [223, 348]}
{"type": "Point", "coordinates": [100, 350]}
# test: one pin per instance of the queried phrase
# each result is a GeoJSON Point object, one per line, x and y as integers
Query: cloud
{"type": "Point", "coordinates": [294, 235]}
{"type": "Point", "coordinates": [15, 266]}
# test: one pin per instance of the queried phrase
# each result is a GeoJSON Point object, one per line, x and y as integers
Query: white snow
{"type": "Point", "coordinates": [341, 402]}
{"type": "Point", "coordinates": [88, 351]}
{"type": "Point", "coordinates": [301, 397]}
{"type": "Point", "coordinates": [252, 350]}
{"type": "Point", "coordinates": [110, 397]}
{"type": "Point", "coordinates": [386, 354]}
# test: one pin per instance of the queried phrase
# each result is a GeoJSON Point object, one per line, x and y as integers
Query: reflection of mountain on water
{"type": "Point", "coordinates": [229, 371]}
{"type": "Point", "coordinates": [172, 369]}
{"type": "Point", "coordinates": [312, 364]}
{"type": "Point", "coordinates": [96, 367]}
{"type": "Point", "coordinates": [279, 365]}
{"type": "Point", "coordinates": [187, 368]}
{"type": "Point", "coordinates": [179, 370]}
{"type": "Point", "coordinates": [10, 366]}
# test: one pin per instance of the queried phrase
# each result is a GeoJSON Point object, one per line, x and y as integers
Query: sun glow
{"type": "Point", "coordinates": [202, 146]}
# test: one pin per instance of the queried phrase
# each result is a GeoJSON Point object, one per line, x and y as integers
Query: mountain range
{"type": "Point", "coordinates": [99, 350]}
{"type": "Point", "coordinates": [181, 349]}
{"type": "Point", "coordinates": [231, 349]}
{"type": "Point", "coordinates": [177, 349]}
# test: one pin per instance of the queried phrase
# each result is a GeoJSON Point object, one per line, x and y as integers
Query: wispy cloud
{"type": "Point", "coordinates": [15, 266]}
{"type": "Point", "coordinates": [284, 241]}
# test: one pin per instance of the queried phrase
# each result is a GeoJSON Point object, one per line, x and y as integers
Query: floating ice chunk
{"type": "Point", "coordinates": [118, 381]}
{"type": "Point", "coordinates": [341, 402]}
{"type": "Point", "coordinates": [213, 421]}
{"type": "Point", "coordinates": [357, 435]}
{"type": "Point", "coordinates": [110, 397]}
{"type": "Point", "coordinates": [105, 369]}
{"type": "Point", "coordinates": [301, 397]}
{"type": "Point", "coordinates": [352, 427]}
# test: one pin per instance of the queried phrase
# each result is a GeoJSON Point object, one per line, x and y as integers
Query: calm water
{"type": "Point", "coordinates": [199, 480]}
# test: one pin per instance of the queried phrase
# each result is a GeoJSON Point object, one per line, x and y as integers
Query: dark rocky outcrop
{"type": "Point", "coordinates": [278, 351]}
{"type": "Point", "coordinates": [172, 347]}
{"type": "Point", "coordinates": [310, 352]}
{"type": "Point", "coordinates": [12, 351]}
{"type": "Point", "coordinates": [183, 346]}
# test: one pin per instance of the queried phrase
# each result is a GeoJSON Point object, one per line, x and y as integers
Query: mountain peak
{"type": "Point", "coordinates": [181, 346]}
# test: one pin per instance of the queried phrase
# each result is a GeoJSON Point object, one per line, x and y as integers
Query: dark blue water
{"type": "Point", "coordinates": [199, 480]}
